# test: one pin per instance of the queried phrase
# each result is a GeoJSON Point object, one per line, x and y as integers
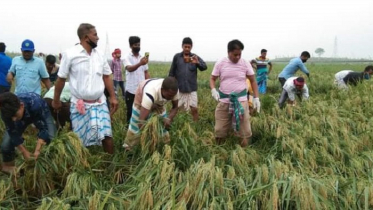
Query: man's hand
{"type": "Point", "coordinates": [113, 105]}
{"type": "Point", "coordinates": [144, 60]}
{"type": "Point", "coordinates": [167, 123]}
{"type": "Point", "coordinates": [38, 147]}
{"type": "Point", "coordinates": [56, 105]}
{"type": "Point", "coordinates": [194, 59]}
{"type": "Point", "coordinates": [215, 94]}
{"type": "Point", "coordinates": [256, 104]}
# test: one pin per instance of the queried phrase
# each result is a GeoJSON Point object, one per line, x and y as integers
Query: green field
{"type": "Point", "coordinates": [316, 155]}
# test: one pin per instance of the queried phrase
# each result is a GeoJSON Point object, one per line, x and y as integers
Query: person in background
{"type": "Point", "coordinates": [5, 63]}
{"type": "Point", "coordinates": [294, 65]}
{"type": "Point", "coordinates": [184, 68]}
{"type": "Point", "coordinates": [293, 86]}
{"type": "Point", "coordinates": [349, 77]}
{"type": "Point", "coordinates": [89, 73]}
{"type": "Point", "coordinates": [151, 97]}
{"type": "Point", "coordinates": [233, 109]}
{"type": "Point", "coordinates": [52, 67]}
{"type": "Point", "coordinates": [260, 64]}
{"type": "Point", "coordinates": [116, 68]}
{"type": "Point", "coordinates": [28, 71]}
{"type": "Point", "coordinates": [17, 112]}
{"type": "Point", "coordinates": [136, 71]}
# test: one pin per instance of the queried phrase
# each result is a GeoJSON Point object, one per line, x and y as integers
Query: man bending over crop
{"type": "Point", "coordinates": [151, 97]}
{"type": "Point", "coordinates": [348, 77]}
{"type": "Point", "coordinates": [293, 86]}
{"type": "Point", "coordinates": [18, 112]}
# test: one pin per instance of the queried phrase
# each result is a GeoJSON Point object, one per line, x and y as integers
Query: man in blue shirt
{"type": "Point", "coordinates": [18, 112]}
{"type": "Point", "coordinates": [28, 70]}
{"type": "Point", "coordinates": [294, 65]}
{"type": "Point", "coordinates": [5, 63]}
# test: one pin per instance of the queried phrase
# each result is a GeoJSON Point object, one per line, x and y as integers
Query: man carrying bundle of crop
{"type": "Point", "coordinates": [233, 108]}
{"type": "Point", "coordinates": [18, 112]}
{"type": "Point", "coordinates": [349, 77]}
{"type": "Point", "coordinates": [293, 86]}
{"type": "Point", "coordinates": [150, 98]}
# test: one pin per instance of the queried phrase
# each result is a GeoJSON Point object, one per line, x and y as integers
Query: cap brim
{"type": "Point", "coordinates": [27, 49]}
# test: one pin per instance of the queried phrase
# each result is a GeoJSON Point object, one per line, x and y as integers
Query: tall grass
{"type": "Point", "coordinates": [317, 155]}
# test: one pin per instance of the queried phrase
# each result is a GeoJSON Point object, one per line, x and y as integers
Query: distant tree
{"type": "Point", "coordinates": [319, 51]}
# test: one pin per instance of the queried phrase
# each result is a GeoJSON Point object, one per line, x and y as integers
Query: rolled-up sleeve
{"type": "Point", "coordinates": [202, 65]}
{"type": "Point", "coordinates": [64, 70]}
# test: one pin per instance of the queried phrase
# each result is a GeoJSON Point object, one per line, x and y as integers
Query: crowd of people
{"type": "Point", "coordinates": [83, 91]}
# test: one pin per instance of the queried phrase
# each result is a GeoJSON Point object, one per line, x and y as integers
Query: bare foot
{"type": "Point", "coordinates": [244, 143]}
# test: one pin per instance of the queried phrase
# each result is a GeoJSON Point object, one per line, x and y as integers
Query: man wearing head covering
{"type": "Point", "coordinates": [116, 68]}
{"type": "Point", "coordinates": [293, 86]}
{"type": "Point", "coordinates": [28, 71]}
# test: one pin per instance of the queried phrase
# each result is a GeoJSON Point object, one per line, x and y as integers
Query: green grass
{"type": "Point", "coordinates": [317, 155]}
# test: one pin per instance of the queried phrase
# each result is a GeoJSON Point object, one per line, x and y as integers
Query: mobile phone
{"type": "Point", "coordinates": [147, 54]}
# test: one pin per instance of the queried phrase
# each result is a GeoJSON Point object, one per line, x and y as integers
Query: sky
{"type": "Point", "coordinates": [283, 27]}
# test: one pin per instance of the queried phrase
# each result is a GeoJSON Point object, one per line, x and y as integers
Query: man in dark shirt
{"type": "Point", "coordinates": [353, 78]}
{"type": "Point", "coordinates": [18, 112]}
{"type": "Point", "coordinates": [184, 69]}
{"type": "Point", "coordinates": [5, 63]}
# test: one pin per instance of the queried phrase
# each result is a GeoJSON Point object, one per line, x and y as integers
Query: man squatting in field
{"type": "Point", "coordinates": [18, 112]}
{"type": "Point", "coordinates": [349, 77]}
{"type": "Point", "coordinates": [89, 74]}
{"type": "Point", "coordinates": [233, 108]}
{"type": "Point", "coordinates": [150, 98]}
{"type": "Point", "coordinates": [294, 65]}
{"type": "Point", "coordinates": [293, 86]}
{"type": "Point", "coordinates": [184, 68]}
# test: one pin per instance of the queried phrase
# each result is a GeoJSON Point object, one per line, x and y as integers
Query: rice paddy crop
{"type": "Point", "coordinates": [316, 155]}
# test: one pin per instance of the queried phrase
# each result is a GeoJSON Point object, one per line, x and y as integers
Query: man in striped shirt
{"type": "Point", "coordinates": [89, 74]}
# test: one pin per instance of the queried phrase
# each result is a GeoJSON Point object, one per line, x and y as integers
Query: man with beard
{"type": "Point", "coordinates": [294, 65]}
{"type": "Point", "coordinates": [136, 72]}
{"type": "Point", "coordinates": [89, 74]}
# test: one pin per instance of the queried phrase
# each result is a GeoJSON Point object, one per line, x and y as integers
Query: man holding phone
{"type": "Point", "coordinates": [184, 68]}
{"type": "Point", "coordinates": [136, 71]}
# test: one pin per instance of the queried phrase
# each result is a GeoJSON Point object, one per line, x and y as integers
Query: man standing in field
{"type": "Point", "coordinates": [89, 74]}
{"type": "Point", "coordinates": [52, 67]}
{"type": "Point", "coordinates": [28, 70]}
{"type": "Point", "coordinates": [293, 86]}
{"type": "Point", "coordinates": [136, 71]}
{"type": "Point", "coordinates": [260, 64]}
{"type": "Point", "coordinates": [294, 65]}
{"type": "Point", "coordinates": [151, 98]}
{"type": "Point", "coordinates": [116, 68]}
{"type": "Point", "coordinates": [5, 63]}
{"type": "Point", "coordinates": [184, 68]}
{"type": "Point", "coordinates": [233, 108]}
{"type": "Point", "coordinates": [18, 112]}
{"type": "Point", "coordinates": [349, 77]}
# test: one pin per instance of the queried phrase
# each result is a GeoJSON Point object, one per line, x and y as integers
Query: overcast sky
{"type": "Point", "coordinates": [283, 27]}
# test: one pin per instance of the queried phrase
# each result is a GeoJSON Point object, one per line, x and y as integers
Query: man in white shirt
{"type": "Point", "coordinates": [293, 86]}
{"type": "Point", "coordinates": [89, 74]}
{"type": "Point", "coordinates": [151, 97]}
{"type": "Point", "coordinates": [136, 71]}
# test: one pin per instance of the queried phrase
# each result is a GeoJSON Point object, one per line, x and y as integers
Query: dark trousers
{"type": "Point", "coordinates": [284, 97]}
{"type": "Point", "coordinates": [121, 85]}
{"type": "Point", "coordinates": [4, 89]}
{"type": "Point", "coordinates": [282, 81]}
{"type": "Point", "coordinates": [63, 116]}
{"type": "Point", "coordinates": [129, 103]}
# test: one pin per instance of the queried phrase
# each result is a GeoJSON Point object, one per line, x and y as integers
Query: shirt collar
{"type": "Point", "coordinates": [30, 59]}
{"type": "Point", "coordinates": [182, 54]}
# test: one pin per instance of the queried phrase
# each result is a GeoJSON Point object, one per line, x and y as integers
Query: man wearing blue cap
{"type": "Point", "coordinates": [28, 70]}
